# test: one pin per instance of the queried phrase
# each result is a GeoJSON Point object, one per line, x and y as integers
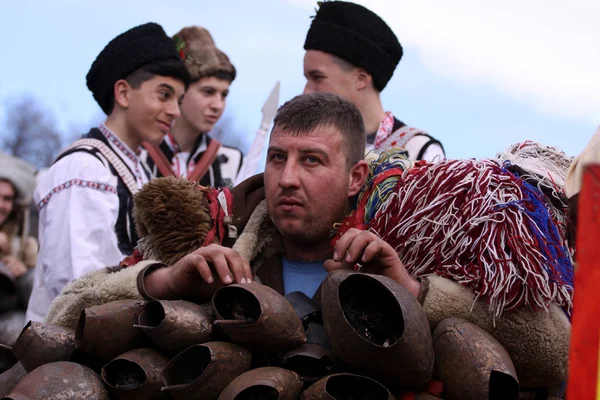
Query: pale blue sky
{"type": "Point", "coordinates": [478, 78]}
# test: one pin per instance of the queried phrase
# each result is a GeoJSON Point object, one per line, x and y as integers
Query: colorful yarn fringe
{"type": "Point", "coordinates": [475, 223]}
{"type": "Point", "coordinates": [545, 168]}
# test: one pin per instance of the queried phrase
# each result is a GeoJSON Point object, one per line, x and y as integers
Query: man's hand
{"type": "Point", "coordinates": [374, 254]}
{"type": "Point", "coordinates": [15, 266]}
{"type": "Point", "coordinates": [199, 274]}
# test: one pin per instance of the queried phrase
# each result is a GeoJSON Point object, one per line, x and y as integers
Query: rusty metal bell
{"type": "Point", "coordinates": [257, 317]}
{"type": "Point", "coordinates": [267, 383]}
{"type": "Point", "coordinates": [58, 381]}
{"type": "Point", "coordinates": [8, 290]}
{"type": "Point", "coordinates": [7, 358]}
{"type": "Point", "coordinates": [202, 371]}
{"type": "Point", "coordinates": [108, 330]}
{"type": "Point", "coordinates": [311, 361]}
{"type": "Point", "coordinates": [136, 374]}
{"type": "Point", "coordinates": [41, 343]}
{"type": "Point", "coordinates": [309, 312]}
{"type": "Point", "coordinates": [10, 378]}
{"type": "Point", "coordinates": [377, 327]}
{"type": "Point", "coordinates": [176, 325]}
{"type": "Point", "coordinates": [472, 364]}
{"type": "Point", "coordinates": [11, 325]}
{"type": "Point", "coordinates": [346, 386]}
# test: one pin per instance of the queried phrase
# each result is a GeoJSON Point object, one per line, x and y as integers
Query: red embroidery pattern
{"type": "Point", "coordinates": [175, 164]}
{"type": "Point", "coordinates": [123, 148]}
{"type": "Point", "coordinates": [387, 138]}
{"type": "Point", "coordinates": [75, 182]}
{"type": "Point", "coordinates": [385, 129]}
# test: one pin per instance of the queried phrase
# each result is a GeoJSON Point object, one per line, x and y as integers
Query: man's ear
{"type": "Point", "coordinates": [122, 92]}
{"type": "Point", "coordinates": [357, 177]}
{"type": "Point", "coordinates": [363, 79]}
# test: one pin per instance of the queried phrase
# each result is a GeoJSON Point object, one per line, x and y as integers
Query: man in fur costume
{"type": "Point", "coordinates": [352, 52]}
{"type": "Point", "coordinates": [277, 229]}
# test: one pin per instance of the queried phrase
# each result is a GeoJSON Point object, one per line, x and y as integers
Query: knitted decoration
{"type": "Point", "coordinates": [475, 223]}
{"type": "Point", "coordinates": [546, 168]}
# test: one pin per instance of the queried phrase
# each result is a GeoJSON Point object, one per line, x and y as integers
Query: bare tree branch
{"type": "Point", "coordinates": [31, 132]}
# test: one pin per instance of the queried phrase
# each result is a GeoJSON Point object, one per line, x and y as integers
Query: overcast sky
{"type": "Point", "coordinates": [478, 75]}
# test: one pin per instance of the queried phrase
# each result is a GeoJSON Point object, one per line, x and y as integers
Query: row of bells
{"type": "Point", "coordinates": [369, 339]}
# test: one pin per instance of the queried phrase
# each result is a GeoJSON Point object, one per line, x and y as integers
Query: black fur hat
{"type": "Point", "coordinates": [359, 36]}
{"type": "Point", "coordinates": [126, 53]}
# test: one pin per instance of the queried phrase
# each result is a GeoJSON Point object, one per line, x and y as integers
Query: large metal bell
{"type": "Point", "coordinates": [378, 327]}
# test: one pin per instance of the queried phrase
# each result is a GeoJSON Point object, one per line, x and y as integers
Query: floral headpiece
{"type": "Point", "coordinates": [180, 45]}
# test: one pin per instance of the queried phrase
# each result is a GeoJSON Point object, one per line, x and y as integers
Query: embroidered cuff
{"type": "Point", "coordinates": [143, 274]}
{"type": "Point", "coordinates": [424, 289]}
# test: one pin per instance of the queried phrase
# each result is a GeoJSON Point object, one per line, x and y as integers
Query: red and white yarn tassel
{"type": "Point", "coordinates": [460, 219]}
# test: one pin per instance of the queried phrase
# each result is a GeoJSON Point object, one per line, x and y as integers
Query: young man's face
{"type": "Point", "coordinates": [324, 74]}
{"type": "Point", "coordinates": [153, 107]}
{"type": "Point", "coordinates": [7, 200]}
{"type": "Point", "coordinates": [204, 103]}
{"type": "Point", "coordinates": [306, 183]}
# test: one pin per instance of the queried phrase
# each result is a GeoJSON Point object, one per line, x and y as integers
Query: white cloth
{"type": "Point", "coordinates": [589, 156]}
{"type": "Point", "coordinates": [79, 206]}
{"type": "Point", "coordinates": [433, 153]}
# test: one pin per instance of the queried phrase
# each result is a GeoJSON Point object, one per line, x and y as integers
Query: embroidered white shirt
{"type": "Point", "coordinates": [78, 204]}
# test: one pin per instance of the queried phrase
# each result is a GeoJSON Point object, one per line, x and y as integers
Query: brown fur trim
{"type": "Point", "coordinates": [172, 216]}
{"type": "Point", "coordinates": [201, 55]}
{"type": "Point", "coordinates": [257, 233]}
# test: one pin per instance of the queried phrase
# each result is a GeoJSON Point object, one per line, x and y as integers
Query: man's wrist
{"type": "Point", "coordinates": [153, 282]}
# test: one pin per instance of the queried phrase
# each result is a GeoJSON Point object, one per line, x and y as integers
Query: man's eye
{"type": "Point", "coordinates": [311, 159]}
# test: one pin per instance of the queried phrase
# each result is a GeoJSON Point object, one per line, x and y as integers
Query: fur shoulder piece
{"type": "Point", "coordinates": [94, 288]}
{"type": "Point", "coordinates": [257, 234]}
{"type": "Point", "coordinates": [537, 341]}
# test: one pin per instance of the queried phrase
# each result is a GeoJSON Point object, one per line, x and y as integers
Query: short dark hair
{"type": "Point", "coordinates": [347, 66]}
{"type": "Point", "coordinates": [172, 68]}
{"type": "Point", "coordinates": [307, 112]}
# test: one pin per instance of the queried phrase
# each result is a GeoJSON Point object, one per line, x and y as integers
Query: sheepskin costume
{"type": "Point", "coordinates": [537, 340]}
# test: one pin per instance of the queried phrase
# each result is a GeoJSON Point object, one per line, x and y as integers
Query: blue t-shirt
{"type": "Point", "coordinates": [302, 276]}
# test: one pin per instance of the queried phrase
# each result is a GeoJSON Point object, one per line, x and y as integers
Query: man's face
{"type": "Point", "coordinates": [324, 74]}
{"type": "Point", "coordinates": [7, 200]}
{"type": "Point", "coordinates": [204, 103]}
{"type": "Point", "coordinates": [306, 183]}
{"type": "Point", "coordinates": [153, 107]}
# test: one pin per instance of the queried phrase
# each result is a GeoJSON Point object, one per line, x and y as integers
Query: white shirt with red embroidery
{"type": "Point", "coordinates": [78, 205]}
{"type": "Point", "coordinates": [408, 138]}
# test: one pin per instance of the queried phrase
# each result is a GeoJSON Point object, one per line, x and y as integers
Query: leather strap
{"type": "Point", "coordinates": [200, 169]}
{"type": "Point", "coordinates": [206, 161]}
{"type": "Point", "coordinates": [122, 170]}
{"type": "Point", "coordinates": [159, 159]}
